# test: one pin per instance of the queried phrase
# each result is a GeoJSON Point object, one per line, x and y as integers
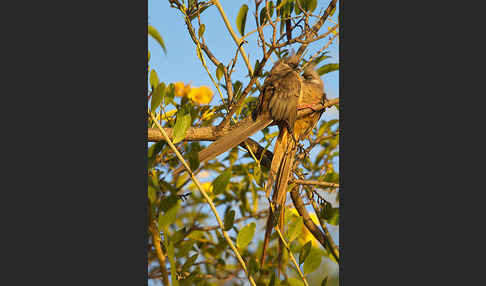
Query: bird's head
{"type": "Point", "coordinates": [310, 75]}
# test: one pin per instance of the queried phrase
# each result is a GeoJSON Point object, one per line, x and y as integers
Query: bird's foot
{"type": "Point", "coordinates": [311, 106]}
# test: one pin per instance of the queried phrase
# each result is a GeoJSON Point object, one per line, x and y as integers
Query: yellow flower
{"type": "Point", "coordinates": [182, 89]}
{"type": "Point", "coordinates": [208, 187]}
{"type": "Point", "coordinates": [167, 116]}
{"type": "Point", "coordinates": [201, 95]}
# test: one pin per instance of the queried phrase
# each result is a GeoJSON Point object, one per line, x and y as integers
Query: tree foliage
{"type": "Point", "coordinates": [186, 244]}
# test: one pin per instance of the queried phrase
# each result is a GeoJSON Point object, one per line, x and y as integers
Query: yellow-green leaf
{"type": "Point", "coordinates": [201, 30]}
{"type": "Point", "coordinates": [295, 281]}
{"type": "Point", "coordinates": [183, 121]}
{"type": "Point", "coordinates": [253, 266]}
{"type": "Point", "coordinates": [157, 96]}
{"type": "Point", "coordinates": [189, 262]}
{"type": "Point", "coordinates": [156, 35]}
{"type": "Point", "coordinates": [151, 194]}
{"type": "Point", "coordinates": [168, 217]}
{"type": "Point", "coordinates": [245, 235]}
{"type": "Point", "coordinates": [154, 79]}
{"type": "Point", "coordinates": [219, 71]}
{"type": "Point", "coordinates": [229, 219]}
{"type": "Point", "coordinates": [282, 3]}
{"type": "Point", "coordinates": [221, 182]}
{"type": "Point", "coordinates": [295, 228]}
{"type": "Point", "coordinates": [263, 13]}
{"type": "Point", "coordinates": [313, 260]}
{"type": "Point", "coordinates": [330, 214]}
{"type": "Point", "coordinates": [327, 68]}
{"type": "Point", "coordinates": [172, 261]}
{"type": "Point", "coordinates": [304, 252]}
{"type": "Point", "coordinates": [307, 5]}
{"type": "Point", "coordinates": [193, 156]}
{"type": "Point", "coordinates": [241, 19]}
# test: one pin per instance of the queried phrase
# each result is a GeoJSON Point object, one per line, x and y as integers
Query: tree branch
{"type": "Point", "coordinates": [311, 226]}
{"type": "Point", "coordinates": [214, 132]}
{"type": "Point", "coordinates": [208, 200]}
{"type": "Point", "coordinates": [316, 183]}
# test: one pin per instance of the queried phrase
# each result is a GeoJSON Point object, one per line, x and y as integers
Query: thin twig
{"type": "Point", "coordinates": [160, 256]}
{"type": "Point", "coordinates": [331, 246]}
{"type": "Point", "coordinates": [233, 35]}
{"type": "Point", "coordinates": [207, 198]}
{"type": "Point", "coordinates": [291, 256]}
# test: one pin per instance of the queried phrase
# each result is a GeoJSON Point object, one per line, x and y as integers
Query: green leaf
{"type": "Point", "coordinates": [307, 5]}
{"type": "Point", "coordinates": [171, 255]}
{"type": "Point", "coordinates": [185, 247]}
{"type": "Point", "coordinates": [189, 262]}
{"type": "Point", "coordinates": [304, 252]}
{"type": "Point", "coordinates": [296, 228]}
{"type": "Point", "coordinates": [330, 214]}
{"type": "Point", "coordinates": [193, 156]}
{"type": "Point", "coordinates": [221, 182]}
{"type": "Point", "coordinates": [245, 235]}
{"type": "Point", "coordinates": [241, 19]}
{"type": "Point", "coordinates": [295, 281]}
{"type": "Point", "coordinates": [219, 71]}
{"type": "Point", "coordinates": [157, 97]}
{"type": "Point", "coordinates": [156, 35]}
{"type": "Point", "coordinates": [286, 8]}
{"type": "Point", "coordinates": [313, 260]}
{"type": "Point", "coordinates": [183, 121]}
{"type": "Point", "coordinates": [279, 6]}
{"type": "Point", "coordinates": [151, 194]}
{"type": "Point", "coordinates": [272, 279]}
{"type": "Point", "coordinates": [154, 79]}
{"type": "Point", "coordinates": [237, 88]}
{"type": "Point", "coordinates": [167, 203]}
{"type": "Point", "coordinates": [201, 30]}
{"type": "Point", "coordinates": [327, 69]}
{"type": "Point", "coordinates": [324, 281]}
{"type": "Point", "coordinates": [155, 149]}
{"type": "Point", "coordinates": [201, 9]}
{"type": "Point", "coordinates": [229, 219]}
{"type": "Point", "coordinates": [152, 153]}
{"type": "Point", "coordinates": [263, 13]}
{"type": "Point", "coordinates": [320, 58]}
{"type": "Point", "coordinates": [253, 266]}
{"type": "Point", "coordinates": [178, 235]}
{"type": "Point", "coordinates": [168, 217]}
{"type": "Point", "coordinates": [169, 94]}
{"type": "Point", "coordinates": [190, 3]}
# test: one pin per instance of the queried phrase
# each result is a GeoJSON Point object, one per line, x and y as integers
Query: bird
{"type": "Point", "coordinates": [312, 94]}
{"type": "Point", "coordinates": [283, 93]}
{"type": "Point", "coordinates": [277, 102]}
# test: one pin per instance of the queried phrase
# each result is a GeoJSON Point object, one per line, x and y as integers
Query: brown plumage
{"type": "Point", "coordinates": [277, 102]}
{"type": "Point", "coordinates": [283, 93]}
{"type": "Point", "coordinates": [285, 148]}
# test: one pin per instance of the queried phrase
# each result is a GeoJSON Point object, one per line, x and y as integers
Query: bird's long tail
{"type": "Point", "coordinates": [231, 140]}
{"type": "Point", "coordinates": [282, 162]}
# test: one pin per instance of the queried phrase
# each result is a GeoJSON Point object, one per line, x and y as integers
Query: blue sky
{"type": "Point", "coordinates": [181, 62]}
